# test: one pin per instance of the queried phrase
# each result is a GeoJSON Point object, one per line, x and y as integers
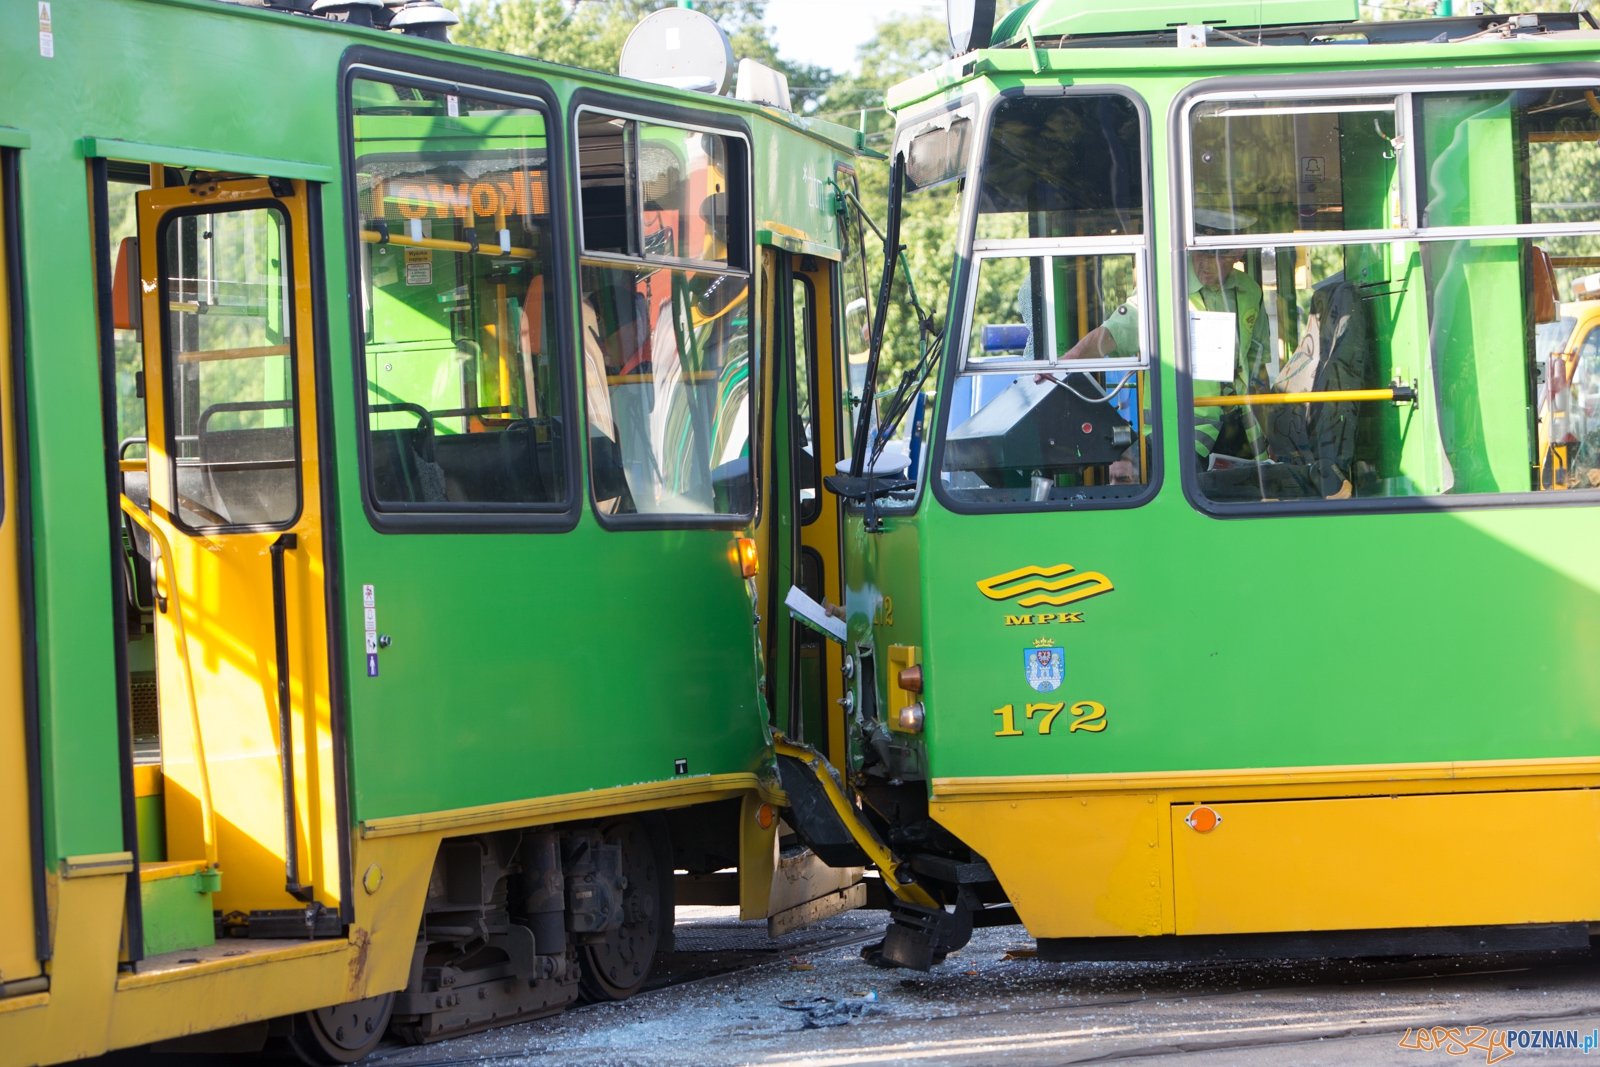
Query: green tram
{"type": "Point", "coordinates": [1241, 605]}
{"type": "Point", "coordinates": [400, 457]}
{"type": "Point", "coordinates": [456, 508]}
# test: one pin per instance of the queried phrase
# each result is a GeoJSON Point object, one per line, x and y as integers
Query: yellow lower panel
{"type": "Point", "coordinates": [1431, 860]}
{"type": "Point", "coordinates": [69, 1022]}
{"type": "Point", "coordinates": [1073, 866]}
{"type": "Point", "coordinates": [161, 1005]}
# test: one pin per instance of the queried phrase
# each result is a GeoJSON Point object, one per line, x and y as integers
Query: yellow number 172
{"type": "Point", "coordinates": [1087, 715]}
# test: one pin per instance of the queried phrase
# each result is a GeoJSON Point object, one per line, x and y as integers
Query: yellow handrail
{"type": "Point", "coordinates": [208, 827]}
{"type": "Point", "coordinates": [1333, 396]}
{"type": "Point", "coordinates": [373, 237]}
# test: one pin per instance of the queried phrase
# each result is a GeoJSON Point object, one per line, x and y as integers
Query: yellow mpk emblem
{"type": "Point", "coordinates": [1061, 584]}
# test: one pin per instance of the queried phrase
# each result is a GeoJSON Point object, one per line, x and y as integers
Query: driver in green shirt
{"type": "Point", "coordinates": [1215, 284]}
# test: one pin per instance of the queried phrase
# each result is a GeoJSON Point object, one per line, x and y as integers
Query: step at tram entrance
{"type": "Point", "coordinates": [228, 641]}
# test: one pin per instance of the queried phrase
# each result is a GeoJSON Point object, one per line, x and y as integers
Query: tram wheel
{"type": "Point", "coordinates": [615, 968]}
{"type": "Point", "coordinates": [343, 1033]}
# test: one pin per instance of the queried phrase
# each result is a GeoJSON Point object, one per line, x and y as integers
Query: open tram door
{"type": "Point", "coordinates": [225, 516]}
{"type": "Point", "coordinates": [818, 304]}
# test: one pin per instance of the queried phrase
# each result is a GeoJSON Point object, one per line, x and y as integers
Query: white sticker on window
{"type": "Point", "coordinates": [419, 266]}
{"type": "Point", "coordinates": [1211, 345]}
{"type": "Point", "coordinates": [372, 620]}
{"type": "Point", "coordinates": [368, 597]}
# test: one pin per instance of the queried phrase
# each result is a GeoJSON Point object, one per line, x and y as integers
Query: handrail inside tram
{"type": "Point", "coordinates": [374, 237]}
{"type": "Point", "coordinates": [1400, 394]}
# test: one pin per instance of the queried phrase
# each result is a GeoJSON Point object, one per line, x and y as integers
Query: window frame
{"type": "Point", "coordinates": [805, 335]}
{"type": "Point", "coordinates": [964, 295]}
{"type": "Point", "coordinates": [1058, 247]}
{"type": "Point", "coordinates": [738, 197]}
{"type": "Point", "coordinates": [519, 90]}
{"type": "Point", "coordinates": [741, 222]}
{"type": "Point", "coordinates": [1403, 84]}
{"type": "Point", "coordinates": [844, 422]}
{"type": "Point", "coordinates": [169, 362]}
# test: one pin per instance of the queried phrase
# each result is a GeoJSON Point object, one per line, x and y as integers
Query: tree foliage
{"type": "Point", "coordinates": [590, 33]}
{"type": "Point", "coordinates": [902, 48]}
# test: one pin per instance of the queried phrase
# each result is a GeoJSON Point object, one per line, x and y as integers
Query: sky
{"type": "Point", "coordinates": [828, 32]}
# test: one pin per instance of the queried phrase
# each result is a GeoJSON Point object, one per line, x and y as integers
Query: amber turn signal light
{"type": "Point", "coordinates": [911, 679]}
{"type": "Point", "coordinates": [749, 561]}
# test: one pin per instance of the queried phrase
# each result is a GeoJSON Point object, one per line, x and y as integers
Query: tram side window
{"type": "Point", "coordinates": [665, 319]}
{"type": "Point", "coordinates": [1051, 405]}
{"type": "Point", "coordinates": [463, 375]}
{"type": "Point", "coordinates": [1341, 349]}
{"type": "Point", "coordinates": [231, 404]}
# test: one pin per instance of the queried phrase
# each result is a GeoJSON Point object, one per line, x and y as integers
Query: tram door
{"type": "Point", "coordinates": [801, 535]}
{"type": "Point", "coordinates": [17, 960]}
{"type": "Point", "coordinates": [239, 626]}
{"type": "Point", "coordinates": [819, 429]}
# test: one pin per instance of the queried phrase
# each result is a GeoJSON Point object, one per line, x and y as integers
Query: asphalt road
{"type": "Point", "coordinates": [731, 997]}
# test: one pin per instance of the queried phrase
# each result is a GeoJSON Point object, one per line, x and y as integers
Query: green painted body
{"type": "Point", "coordinates": [177, 912]}
{"type": "Point", "coordinates": [523, 664]}
{"type": "Point", "coordinates": [1434, 635]}
{"type": "Point", "coordinates": [152, 817]}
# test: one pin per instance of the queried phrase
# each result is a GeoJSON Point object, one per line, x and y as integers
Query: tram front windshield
{"type": "Point", "coordinates": [1051, 403]}
{"type": "Point", "coordinates": [1375, 287]}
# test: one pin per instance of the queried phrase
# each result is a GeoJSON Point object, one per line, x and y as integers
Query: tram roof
{"type": "Point", "coordinates": [1139, 49]}
{"type": "Point", "coordinates": [834, 134]}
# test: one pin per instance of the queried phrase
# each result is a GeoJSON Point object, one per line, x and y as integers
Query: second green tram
{"type": "Point", "coordinates": [1242, 598]}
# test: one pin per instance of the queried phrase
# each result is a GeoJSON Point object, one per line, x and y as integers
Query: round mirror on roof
{"type": "Point", "coordinates": [680, 47]}
{"type": "Point", "coordinates": [970, 22]}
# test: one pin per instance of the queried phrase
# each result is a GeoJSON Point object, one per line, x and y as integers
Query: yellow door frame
{"type": "Point", "coordinates": [19, 960]}
{"type": "Point", "coordinates": [824, 534]}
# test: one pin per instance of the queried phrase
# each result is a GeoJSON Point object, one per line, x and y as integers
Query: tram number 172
{"type": "Point", "coordinates": [1087, 715]}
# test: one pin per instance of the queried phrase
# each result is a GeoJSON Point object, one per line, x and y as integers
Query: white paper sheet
{"type": "Point", "coordinates": [808, 612]}
{"type": "Point", "coordinates": [1212, 345]}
